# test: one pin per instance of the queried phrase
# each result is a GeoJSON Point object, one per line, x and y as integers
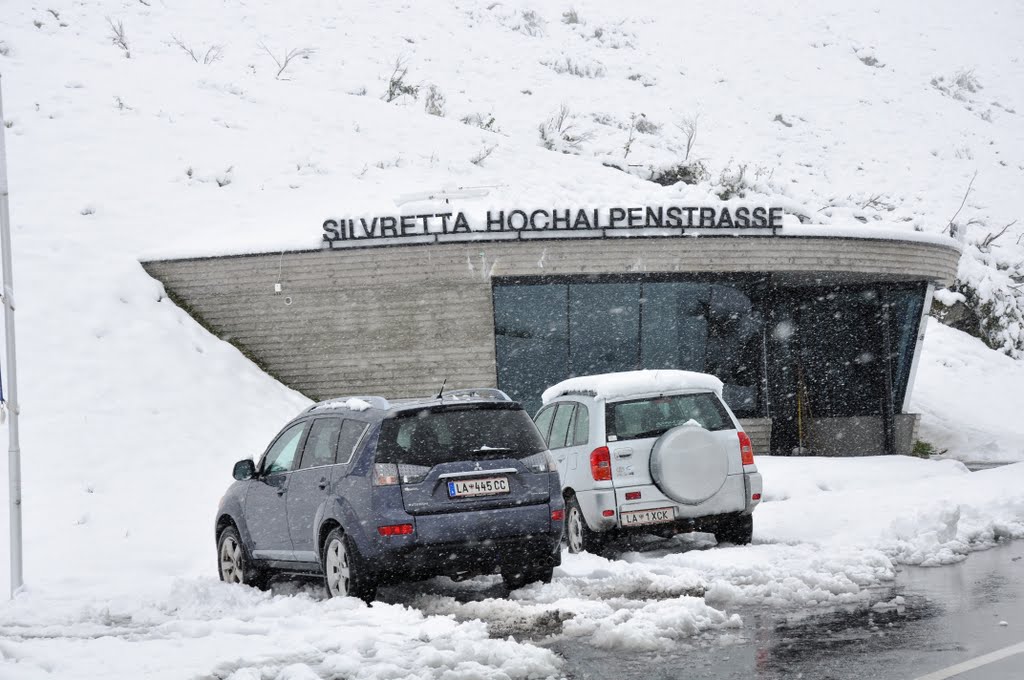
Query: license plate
{"type": "Point", "coordinates": [488, 486]}
{"type": "Point", "coordinates": [636, 518]}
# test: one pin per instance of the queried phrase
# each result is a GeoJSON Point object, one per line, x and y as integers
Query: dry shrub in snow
{"type": "Point", "coordinates": [571, 17]}
{"type": "Point", "coordinates": [559, 132]}
{"type": "Point", "coordinates": [213, 53]}
{"type": "Point", "coordinates": [580, 68]}
{"type": "Point", "coordinates": [287, 58]}
{"type": "Point", "coordinates": [687, 172]}
{"type": "Point", "coordinates": [397, 87]}
{"type": "Point", "coordinates": [433, 101]}
{"type": "Point", "coordinates": [482, 121]}
{"type": "Point", "coordinates": [118, 37]}
{"type": "Point", "coordinates": [483, 155]}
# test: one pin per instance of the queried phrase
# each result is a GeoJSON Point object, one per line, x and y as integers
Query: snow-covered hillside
{"type": "Point", "coordinates": [132, 415]}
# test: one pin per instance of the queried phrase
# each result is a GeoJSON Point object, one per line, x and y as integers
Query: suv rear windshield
{"type": "Point", "coordinates": [445, 435]}
{"type": "Point", "coordinates": [653, 416]}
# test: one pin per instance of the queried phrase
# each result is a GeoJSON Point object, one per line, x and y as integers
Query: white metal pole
{"type": "Point", "coordinates": [14, 452]}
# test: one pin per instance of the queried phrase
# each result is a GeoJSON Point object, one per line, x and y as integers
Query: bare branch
{"type": "Point", "coordinates": [990, 239]}
{"type": "Point", "coordinates": [689, 128]}
{"type": "Point", "coordinates": [484, 153]}
{"type": "Point", "coordinates": [117, 36]}
{"type": "Point", "coordinates": [282, 64]}
{"type": "Point", "coordinates": [214, 53]}
{"type": "Point", "coordinates": [949, 227]}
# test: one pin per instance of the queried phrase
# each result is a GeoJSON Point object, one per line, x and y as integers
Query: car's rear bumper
{"type": "Point", "coordinates": [603, 508]}
{"type": "Point", "coordinates": [468, 543]}
{"type": "Point", "coordinates": [466, 559]}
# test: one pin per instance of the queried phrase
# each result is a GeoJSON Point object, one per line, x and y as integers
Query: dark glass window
{"type": "Point", "coordinates": [321, 443]}
{"type": "Point", "coordinates": [604, 328]}
{"type": "Point", "coordinates": [444, 435]}
{"type": "Point", "coordinates": [546, 332]}
{"type": "Point", "coordinates": [904, 318]}
{"type": "Point", "coordinates": [351, 432]}
{"type": "Point", "coordinates": [707, 327]}
{"type": "Point", "coordinates": [643, 418]}
{"type": "Point", "coordinates": [560, 426]}
{"type": "Point", "coordinates": [582, 426]}
{"type": "Point", "coordinates": [531, 339]}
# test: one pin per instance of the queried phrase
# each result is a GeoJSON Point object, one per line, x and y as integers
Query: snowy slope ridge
{"type": "Point", "coordinates": [132, 415]}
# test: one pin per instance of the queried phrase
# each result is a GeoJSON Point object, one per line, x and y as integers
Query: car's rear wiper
{"type": "Point", "coordinates": [650, 433]}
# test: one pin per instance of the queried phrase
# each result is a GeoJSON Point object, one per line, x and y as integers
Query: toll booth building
{"type": "Point", "coordinates": [815, 332]}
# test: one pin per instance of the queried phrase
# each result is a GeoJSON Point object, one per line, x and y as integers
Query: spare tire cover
{"type": "Point", "coordinates": [688, 464]}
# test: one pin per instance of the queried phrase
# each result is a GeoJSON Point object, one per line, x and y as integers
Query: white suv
{"type": "Point", "coordinates": [654, 451]}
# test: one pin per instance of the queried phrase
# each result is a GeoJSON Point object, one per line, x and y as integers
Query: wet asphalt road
{"type": "Point", "coordinates": [951, 615]}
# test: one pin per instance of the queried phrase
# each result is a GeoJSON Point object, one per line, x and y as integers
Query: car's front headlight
{"type": "Point", "coordinates": [540, 462]}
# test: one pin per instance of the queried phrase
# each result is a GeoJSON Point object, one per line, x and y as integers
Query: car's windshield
{"type": "Point", "coordinates": [652, 417]}
{"type": "Point", "coordinates": [432, 436]}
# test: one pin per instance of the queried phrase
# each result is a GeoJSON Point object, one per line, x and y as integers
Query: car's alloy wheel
{"type": "Point", "coordinates": [578, 534]}
{"type": "Point", "coordinates": [232, 564]}
{"type": "Point", "coordinates": [337, 568]}
{"type": "Point", "coordinates": [345, 572]}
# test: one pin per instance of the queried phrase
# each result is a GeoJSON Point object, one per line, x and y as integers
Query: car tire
{"type": "Point", "coordinates": [739, 530]}
{"type": "Point", "coordinates": [524, 576]}
{"type": "Point", "coordinates": [345, 572]}
{"type": "Point", "coordinates": [578, 535]}
{"type": "Point", "coordinates": [234, 563]}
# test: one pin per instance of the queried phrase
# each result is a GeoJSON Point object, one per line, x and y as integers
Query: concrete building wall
{"type": "Point", "coordinates": [396, 320]}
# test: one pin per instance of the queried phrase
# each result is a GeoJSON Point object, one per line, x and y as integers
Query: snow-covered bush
{"type": "Point", "coordinates": [434, 101]}
{"type": "Point", "coordinates": [397, 85]}
{"type": "Point", "coordinates": [484, 121]}
{"type": "Point", "coordinates": [577, 66]}
{"type": "Point", "coordinates": [560, 132]}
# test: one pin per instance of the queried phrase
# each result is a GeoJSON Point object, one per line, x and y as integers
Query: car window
{"type": "Point", "coordinates": [321, 443]}
{"type": "Point", "coordinates": [560, 426]}
{"type": "Point", "coordinates": [351, 432]}
{"type": "Point", "coordinates": [652, 417]}
{"type": "Point", "coordinates": [443, 435]}
{"type": "Point", "coordinates": [581, 430]}
{"type": "Point", "coordinates": [281, 456]}
{"type": "Point", "coordinates": [543, 420]}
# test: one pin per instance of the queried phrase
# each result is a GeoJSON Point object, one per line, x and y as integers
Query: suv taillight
{"type": "Point", "coordinates": [385, 474]}
{"type": "Point", "coordinates": [601, 464]}
{"type": "Point", "coordinates": [746, 450]}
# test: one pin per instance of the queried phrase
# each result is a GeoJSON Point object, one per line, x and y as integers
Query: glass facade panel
{"type": "Point", "coordinates": [604, 328]}
{"type": "Point", "coordinates": [904, 317]}
{"type": "Point", "coordinates": [531, 339]}
{"type": "Point", "coordinates": [792, 353]}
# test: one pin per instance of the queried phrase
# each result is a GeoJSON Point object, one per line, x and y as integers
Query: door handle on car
{"type": "Point", "coordinates": [323, 483]}
{"type": "Point", "coordinates": [280, 491]}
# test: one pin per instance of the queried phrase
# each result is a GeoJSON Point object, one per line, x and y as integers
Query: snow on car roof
{"type": "Point", "coordinates": [608, 386]}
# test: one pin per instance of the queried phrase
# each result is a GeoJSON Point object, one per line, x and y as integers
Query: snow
{"type": "Point", "coordinates": [354, 404]}
{"type": "Point", "coordinates": [112, 160]}
{"type": "Point", "coordinates": [209, 629]}
{"type": "Point", "coordinates": [970, 398]}
{"type": "Point", "coordinates": [948, 297]}
{"type": "Point", "coordinates": [611, 386]}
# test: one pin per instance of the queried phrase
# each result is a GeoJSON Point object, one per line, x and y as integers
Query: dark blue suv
{"type": "Point", "coordinates": [365, 491]}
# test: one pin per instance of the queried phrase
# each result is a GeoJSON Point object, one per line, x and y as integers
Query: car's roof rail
{"type": "Point", "coordinates": [476, 393]}
{"type": "Point", "coordinates": [360, 403]}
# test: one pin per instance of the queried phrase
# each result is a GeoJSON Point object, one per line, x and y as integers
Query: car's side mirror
{"type": "Point", "coordinates": [244, 469]}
